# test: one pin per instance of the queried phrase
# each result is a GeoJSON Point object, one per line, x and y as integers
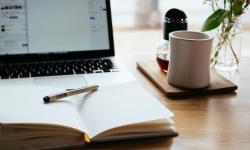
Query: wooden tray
{"type": "Point", "coordinates": [152, 71]}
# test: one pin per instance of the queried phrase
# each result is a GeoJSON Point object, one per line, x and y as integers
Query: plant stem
{"type": "Point", "coordinates": [225, 37]}
{"type": "Point", "coordinates": [234, 53]}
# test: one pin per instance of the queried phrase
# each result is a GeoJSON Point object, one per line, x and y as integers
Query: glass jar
{"type": "Point", "coordinates": [227, 49]}
{"type": "Point", "coordinates": [175, 20]}
{"type": "Point", "coordinates": [162, 54]}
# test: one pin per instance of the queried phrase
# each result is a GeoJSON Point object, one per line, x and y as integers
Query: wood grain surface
{"type": "Point", "coordinates": [215, 122]}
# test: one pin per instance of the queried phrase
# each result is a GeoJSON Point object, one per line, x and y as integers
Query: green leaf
{"type": "Point", "coordinates": [246, 5]}
{"type": "Point", "coordinates": [215, 20]}
{"type": "Point", "coordinates": [238, 7]}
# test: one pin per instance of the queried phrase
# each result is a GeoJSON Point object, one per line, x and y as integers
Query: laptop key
{"type": "Point", "coordinates": [4, 76]}
{"type": "Point", "coordinates": [67, 72]}
{"type": "Point", "coordinates": [80, 71]}
{"type": "Point", "coordinates": [98, 71]}
{"type": "Point", "coordinates": [24, 75]}
{"type": "Point", "coordinates": [106, 70]}
{"type": "Point", "coordinates": [13, 76]}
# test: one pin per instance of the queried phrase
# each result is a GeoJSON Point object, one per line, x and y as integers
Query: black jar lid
{"type": "Point", "coordinates": [176, 14]}
{"type": "Point", "coordinates": [175, 20]}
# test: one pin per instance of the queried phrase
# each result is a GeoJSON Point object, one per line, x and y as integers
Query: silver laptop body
{"type": "Point", "coordinates": [45, 33]}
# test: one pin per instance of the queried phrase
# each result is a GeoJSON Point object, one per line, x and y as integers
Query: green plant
{"type": "Point", "coordinates": [224, 9]}
{"type": "Point", "coordinates": [225, 13]}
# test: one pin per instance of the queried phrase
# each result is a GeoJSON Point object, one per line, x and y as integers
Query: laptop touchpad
{"type": "Point", "coordinates": [64, 82]}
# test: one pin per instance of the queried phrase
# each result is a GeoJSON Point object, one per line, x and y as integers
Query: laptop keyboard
{"type": "Point", "coordinates": [12, 71]}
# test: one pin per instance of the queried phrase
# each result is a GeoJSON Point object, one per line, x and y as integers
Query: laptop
{"type": "Point", "coordinates": [58, 43]}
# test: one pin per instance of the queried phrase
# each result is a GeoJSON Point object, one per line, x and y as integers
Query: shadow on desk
{"type": "Point", "coordinates": [148, 143]}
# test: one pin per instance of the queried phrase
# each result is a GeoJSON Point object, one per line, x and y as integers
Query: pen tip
{"type": "Point", "coordinates": [46, 99]}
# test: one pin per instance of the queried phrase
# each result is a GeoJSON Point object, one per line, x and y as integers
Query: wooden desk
{"type": "Point", "coordinates": [209, 122]}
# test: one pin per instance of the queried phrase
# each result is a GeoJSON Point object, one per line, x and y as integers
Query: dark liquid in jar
{"type": "Point", "coordinates": [163, 64]}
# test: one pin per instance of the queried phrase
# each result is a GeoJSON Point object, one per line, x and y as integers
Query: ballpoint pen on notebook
{"type": "Point", "coordinates": [70, 92]}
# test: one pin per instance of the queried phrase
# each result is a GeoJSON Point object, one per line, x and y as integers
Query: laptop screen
{"type": "Point", "coordinates": [53, 26]}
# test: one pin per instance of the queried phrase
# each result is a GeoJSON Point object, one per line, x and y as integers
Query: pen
{"type": "Point", "coordinates": [68, 93]}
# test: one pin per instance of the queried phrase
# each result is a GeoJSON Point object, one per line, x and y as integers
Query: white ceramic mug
{"type": "Point", "coordinates": [190, 59]}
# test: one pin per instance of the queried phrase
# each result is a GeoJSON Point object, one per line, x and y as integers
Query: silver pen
{"type": "Point", "coordinates": [72, 92]}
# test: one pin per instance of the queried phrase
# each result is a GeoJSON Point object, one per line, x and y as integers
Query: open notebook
{"type": "Point", "coordinates": [115, 112]}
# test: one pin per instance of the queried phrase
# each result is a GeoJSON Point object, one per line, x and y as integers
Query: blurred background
{"type": "Point", "coordinates": [149, 14]}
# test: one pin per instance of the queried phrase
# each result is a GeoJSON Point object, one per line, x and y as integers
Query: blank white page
{"type": "Point", "coordinates": [24, 104]}
{"type": "Point", "coordinates": [119, 105]}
